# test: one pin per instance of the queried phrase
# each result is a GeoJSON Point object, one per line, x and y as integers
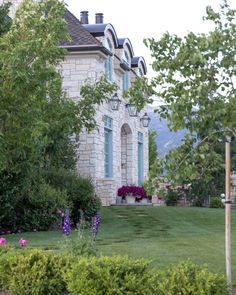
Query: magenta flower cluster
{"type": "Point", "coordinates": [3, 241]}
{"type": "Point", "coordinates": [22, 242]}
{"type": "Point", "coordinates": [136, 191]}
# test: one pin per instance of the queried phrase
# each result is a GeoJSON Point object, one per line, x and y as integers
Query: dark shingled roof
{"type": "Point", "coordinates": [98, 30]}
{"type": "Point", "coordinates": [121, 42]}
{"type": "Point", "coordinates": [79, 35]}
{"type": "Point", "coordinates": [125, 41]}
{"type": "Point", "coordinates": [135, 61]}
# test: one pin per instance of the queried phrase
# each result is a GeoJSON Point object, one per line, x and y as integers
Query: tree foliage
{"type": "Point", "coordinates": [37, 119]}
{"type": "Point", "coordinates": [5, 20]}
{"type": "Point", "coordinates": [152, 147]}
{"type": "Point", "coordinates": [196, 80]}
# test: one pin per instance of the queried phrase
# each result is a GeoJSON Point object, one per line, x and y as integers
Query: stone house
{"type": "Point", "coordinates": [117, 153]}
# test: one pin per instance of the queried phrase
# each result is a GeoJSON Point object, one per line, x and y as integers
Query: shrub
{"type": "Point", "coordinates": [4, 267]}
{"type": "Point", "coordinates": [32, 207]}
{"type": "Point", "coordinates": [37, 272]}
{"type": "Point", "coordinates": [80, 192]}
{"type": "Point", "coordinates": [190, 279]}
{"type": "Point", "coordinates": [109, 276]}
{"type": "Point", "coordinates": [216, 203]}
{"type": "Point", "coordinates": [32, 273]}
{"type": "Point", "coordinates": [40, 207]}
{"type": "Point", "coordinates": [172, 197]}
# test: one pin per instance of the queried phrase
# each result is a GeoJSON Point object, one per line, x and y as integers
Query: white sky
{"type": "Point", "coordinates": [150, 18]}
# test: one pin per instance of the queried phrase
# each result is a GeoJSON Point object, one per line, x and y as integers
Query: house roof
{"type": "Point", "coordinates": [137, 61]}
{"type": "Point", "coordinates": [98, 30]}
{"type": "Point", "coordinates": [83, 37]}
{"type": "Point", "coordinates": [80, 37]}
{"type": "Point", "coordinates": [122, 42]}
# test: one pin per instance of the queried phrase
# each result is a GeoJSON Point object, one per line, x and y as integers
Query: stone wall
{"type": "Point", "coordinates": [75, 70]}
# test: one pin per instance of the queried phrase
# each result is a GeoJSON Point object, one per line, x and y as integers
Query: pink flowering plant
{"type": "Point", "coordinates": [23, 243]}
{"type": "Point", "coordinates": [3, 242]}
{"type": "Point", "coordinates": [135, 191]}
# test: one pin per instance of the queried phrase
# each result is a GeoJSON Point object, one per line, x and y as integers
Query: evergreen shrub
{"type": "Point", "coordinates": [190, 279]}
{"type": "Point", "coordinates": [80, 192]}
{"type": "Point", "coordinates": [216, 203]}
{"type": "Point", "coordinates": [109, 276]}
{"type": "Point", "coordinates": [32, 272]}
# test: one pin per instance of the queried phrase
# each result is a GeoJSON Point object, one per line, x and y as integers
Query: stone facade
{"type": "Point", "coordinates": [89, 65]}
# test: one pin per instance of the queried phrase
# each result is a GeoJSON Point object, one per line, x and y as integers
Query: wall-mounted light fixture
{"type": "Point", "coordinates": [132, 109]}
{"type": "Point", "coordinates": [115, 102]}
{"type": "Point", "coordinates": [145, 120]}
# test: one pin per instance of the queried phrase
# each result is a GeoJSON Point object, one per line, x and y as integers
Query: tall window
{"type": "Point", "coordinates": [126, 81]}
{"type": "Point", "coordinates": [140, 159]}
{"type": "Point", "coordinates": [126, 76]}
{"type": "Point", "coordinates": [108, 154]}
{"type": "Point", "coordinates": [108, 61]}
{"type": "Point", "coordinates": [140, 72]}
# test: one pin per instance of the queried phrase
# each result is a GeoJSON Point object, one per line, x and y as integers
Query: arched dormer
{"type": "Point", "coordinates": [125, 44]}
{"type": "Point", "coordinates": [102, 30]}
{"type": "Point", "coordinates": [139, 65]}
{"type": "Point", "coordinates": [106, 34]}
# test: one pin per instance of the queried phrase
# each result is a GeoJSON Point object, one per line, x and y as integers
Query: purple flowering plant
{"type": "Point", "coordinates": [67, 223]}
{"type": "Point", "coordinates": [136, 191]}
{"type": "Point", "coordinates": [96, 220]}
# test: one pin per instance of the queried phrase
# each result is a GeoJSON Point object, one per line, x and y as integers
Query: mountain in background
{"type": "Point", "coordinates": [166, 139]}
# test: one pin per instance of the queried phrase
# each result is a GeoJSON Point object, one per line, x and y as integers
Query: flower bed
{"type": "Point", "coordinates": [136, 193]}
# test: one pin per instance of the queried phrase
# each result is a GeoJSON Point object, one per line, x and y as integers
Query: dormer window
{"type": "Point", "coordinates": [126, 58]}
{"type": "Point", "coordinates": [108, 61]}
{"type": "Point", "coordinates": [140, 72]}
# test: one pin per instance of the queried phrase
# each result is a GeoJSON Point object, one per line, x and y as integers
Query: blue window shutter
{"type": "Point", "coordinates": [125, 81]}
{"type": "Point", "coordinates": [108, 68]}
{"type": "Point", "coordinates": [108, 147]}
{"type": "Point", "coordinates": [140, 159]}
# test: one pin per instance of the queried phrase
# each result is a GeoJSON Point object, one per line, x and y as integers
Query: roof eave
{"type": "Point", "coordinates": [94, 47]}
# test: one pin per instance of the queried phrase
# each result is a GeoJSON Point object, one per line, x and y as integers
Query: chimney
{"type": "Point", "coordinates": [84, 17]}
{"type": "Point", "coordinates": [99, 18]}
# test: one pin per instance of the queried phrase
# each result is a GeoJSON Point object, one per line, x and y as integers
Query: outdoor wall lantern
{"type": "Point", "coordinates": [132, 109]}
{"type": "Point", "coordinates": [115, 102]}
{"type": "Point", "coordinates": [145, 120]}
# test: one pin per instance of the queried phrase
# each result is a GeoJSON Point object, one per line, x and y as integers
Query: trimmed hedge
{"type": "Point", "coordinates": [109, 276]}
{"type": "Point", "coordinates": [33, 272]}
{"type": "Point", "coordinates": [188, 278]}
{"type": "Point", "coordinates": [36, 272]}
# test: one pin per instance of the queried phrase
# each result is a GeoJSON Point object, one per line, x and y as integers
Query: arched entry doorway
{"type": "Point", "coordinates": [126, 155]}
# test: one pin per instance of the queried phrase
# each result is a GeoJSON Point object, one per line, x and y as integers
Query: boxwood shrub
{"type": "Point", "coordinates": [36, 272]}
{"type": "Point", "coordinates": [188, 278]}
{"type": "Point", "coordinates": [109, 276]}
{"type": "Point", "coordinates": [32, 272]}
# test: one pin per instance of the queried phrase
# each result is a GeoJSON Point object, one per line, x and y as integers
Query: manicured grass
{"type": "Point", "coordinates": [163, 234]}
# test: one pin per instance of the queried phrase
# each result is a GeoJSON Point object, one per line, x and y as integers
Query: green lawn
{"type": "Point", "coordinates": [163, 234]}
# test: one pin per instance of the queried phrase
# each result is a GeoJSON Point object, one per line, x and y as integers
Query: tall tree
{"type": "Point", "coordinates": [5, 20]}
{"type": "Point", "coordinates": [196, 80]}
{"type": "Point", "coordinates": [36, 116]}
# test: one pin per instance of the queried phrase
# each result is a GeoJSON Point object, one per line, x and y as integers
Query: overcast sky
{"type": "Point", "coordinates": [151, 18]}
